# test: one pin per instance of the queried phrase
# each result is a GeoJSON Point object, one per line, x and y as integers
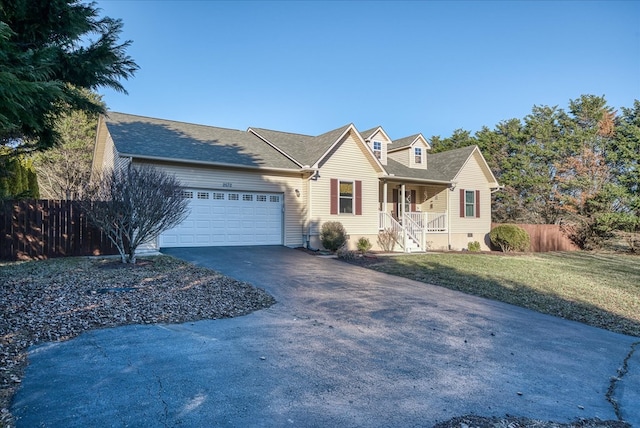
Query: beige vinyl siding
{"type": "Point", "coordinates": [420, 144]}
{"type": "Point", "coordinates": [248, 180]}
{"type": "Point", "coordinates": [401, 156]}
{"type": "Point", "coordinates": [436, 199]}
{"type": "Point", "coordinates": [104, 153]}
{"type": "Point", "coordinates": [349, 161]}
{"type": "Point", "coordinates": [120, 162]}
{"type": "Point", "coordinates": [379, 136]}
{"type": "Point", "coordinates": [471, 177]}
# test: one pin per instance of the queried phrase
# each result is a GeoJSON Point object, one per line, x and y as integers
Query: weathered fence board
{"type": "Point", "coordinates": [40, 229]}
{"type": "Point", "coordinates": [546, 237]}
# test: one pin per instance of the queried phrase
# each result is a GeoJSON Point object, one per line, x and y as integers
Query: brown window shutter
{"type": "Point", "coordinates": [334, 196]}
{"type": "Point", "coordinates": [461, 202]}
{"type": "Point", "coordinates": [413, 201]}
{"type": "Point", "coordinates": [477, 203]}
{"type": "Point", "coordinates": [358, 197]}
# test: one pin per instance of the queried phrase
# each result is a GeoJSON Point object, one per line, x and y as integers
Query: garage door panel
{"type": "Point", "coordinates": [228, 218]}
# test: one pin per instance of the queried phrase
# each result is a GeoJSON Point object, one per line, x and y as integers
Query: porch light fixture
{"type": "Point", "coordinates": [297, 192]}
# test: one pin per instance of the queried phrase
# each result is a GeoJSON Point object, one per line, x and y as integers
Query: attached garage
{"type": "Point", "coordinates": [221, 218]}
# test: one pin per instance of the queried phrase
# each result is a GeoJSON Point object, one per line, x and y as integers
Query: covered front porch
{"type": "Point", "coordinates": [414, 212]}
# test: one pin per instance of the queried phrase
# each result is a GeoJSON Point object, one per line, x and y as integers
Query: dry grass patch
{"type": "Point", "coordinates": [602, 290]}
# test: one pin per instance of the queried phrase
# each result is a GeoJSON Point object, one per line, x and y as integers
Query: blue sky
{"type": "Point", "coordinates": [421, 66]}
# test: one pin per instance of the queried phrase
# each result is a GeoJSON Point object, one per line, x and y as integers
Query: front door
{"type": "Point", "coordinates": [409, 203]}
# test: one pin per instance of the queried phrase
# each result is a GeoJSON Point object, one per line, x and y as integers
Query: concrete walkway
{"type": "Point", "coordinates": [344, 346]}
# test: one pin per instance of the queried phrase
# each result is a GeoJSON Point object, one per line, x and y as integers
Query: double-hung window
{"type": "Point", "coordinates": [346, 197]}
{"type": "Point", "coordinates": [469, 203]}
{"type": "Point", "coordinates": [377, 149]}
{"type": "Point", "coordinates": [417, 151]}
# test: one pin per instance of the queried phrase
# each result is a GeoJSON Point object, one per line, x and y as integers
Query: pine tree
{"type": "Point", "coordinates": [49, 51]}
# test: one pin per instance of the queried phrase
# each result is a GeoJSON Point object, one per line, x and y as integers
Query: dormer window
{"type": "Point", "coordinates": [377, 149]}
{"type": "Point", "coordinates": [417, 151]}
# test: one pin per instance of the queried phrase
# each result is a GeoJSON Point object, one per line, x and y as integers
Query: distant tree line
{"type": "Point", "coordinates": [579, 168]}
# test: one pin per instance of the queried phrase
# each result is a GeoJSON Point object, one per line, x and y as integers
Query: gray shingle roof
{"type": "Point", "coordinates": [403, 142]}
{"type": "Point", "coordinates": [157, 138]}
{"type": "Point", "coordinates": [305, 149]}
{"type": "Point", "coordinates": [369, 132]}
{"type": "Point", "coordinates": [442, 166]}
{"type": "Point", "coordinates": [149, 137]}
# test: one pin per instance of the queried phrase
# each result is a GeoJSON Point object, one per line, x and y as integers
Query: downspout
{"type": "Point", "coordinates": [449, 216]}
{"type": "Point", "coordinates": [313, 176]}
{"type": "Point", "coordinates": [401, 211]}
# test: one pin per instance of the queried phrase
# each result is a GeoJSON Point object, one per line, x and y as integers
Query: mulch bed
{"type": "Point", "coordinates": [55, 300]}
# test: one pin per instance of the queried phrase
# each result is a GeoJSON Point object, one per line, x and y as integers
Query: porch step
{"type": "Point", "coordinates": [412, 246]}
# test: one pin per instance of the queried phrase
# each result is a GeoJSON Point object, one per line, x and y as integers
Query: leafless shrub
{"type": "Point", "coordinates": [387, 239]}
{"type": "Point", "coordinates": [133, 206]}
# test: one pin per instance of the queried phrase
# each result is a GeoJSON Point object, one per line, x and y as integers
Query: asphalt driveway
{"type": "Point", "coordinates": [344, 346]}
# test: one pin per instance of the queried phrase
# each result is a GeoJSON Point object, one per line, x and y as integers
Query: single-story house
{"type": "Point", "coordinates": [265, 187]}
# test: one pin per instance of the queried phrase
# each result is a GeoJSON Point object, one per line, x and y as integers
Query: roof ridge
{"type": "Point", "coordinates": [174, 121]}
{"type": "Point", "coordinates": [282, 132]}
{"type": "Point", "coordinates": [340, 128]}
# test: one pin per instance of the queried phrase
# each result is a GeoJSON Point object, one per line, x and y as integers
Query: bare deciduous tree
{"type": "Point", "coordinates": [64, 169]}
{"type": "Point", "coordinates": [134, 205]}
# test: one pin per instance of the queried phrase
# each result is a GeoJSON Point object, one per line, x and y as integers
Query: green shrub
{"type": "Point", "coordinates": [333, 235]}
{"type": "Point", "coordinates": [387, 239]}
{"type": "Point", "coordinates": [473, 246]}
{"type": "Point", "coordinates": [364, 245]}
{"type": "Point", "coordinates": [509, 237]}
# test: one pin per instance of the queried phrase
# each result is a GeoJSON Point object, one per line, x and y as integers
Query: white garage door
{"type": "Point", "coordinates": [228, 218]}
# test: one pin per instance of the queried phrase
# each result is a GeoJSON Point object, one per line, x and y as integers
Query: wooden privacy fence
{"type": "Point", "coordinates": [546, 237]}
{"type": "Point", "coordinates": [40, 229]}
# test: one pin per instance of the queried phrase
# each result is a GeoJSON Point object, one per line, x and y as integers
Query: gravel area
{"type": "Point", "coordinates": [58, 299]}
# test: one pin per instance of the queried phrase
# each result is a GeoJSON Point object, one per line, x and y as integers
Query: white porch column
{"type": "Point", "coordinates": [384, 196]}
{"type": "Point", "coordinates": [402, 199]}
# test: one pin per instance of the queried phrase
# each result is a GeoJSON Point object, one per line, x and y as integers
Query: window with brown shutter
{"type": "Point", "coordinates": [469, 203]}
{"type": "Point", "coordinates": [346, 197]}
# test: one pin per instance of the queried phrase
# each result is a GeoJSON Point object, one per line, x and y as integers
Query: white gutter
{"type": "Point", "coordinates": [310, 204]}
{"type": "Point", "coordinates": [418, 180]}
{"type": "Point", "coordinates": [449, 219]}
{"type": "Point", "coordinates": [497, 189]}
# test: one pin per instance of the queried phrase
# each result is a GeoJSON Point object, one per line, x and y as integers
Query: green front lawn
{"type": "Point", "coordinates": [602, 290]}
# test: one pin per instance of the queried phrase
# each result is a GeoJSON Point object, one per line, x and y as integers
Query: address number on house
{"type": "Point", "coordinates": [227, 184]}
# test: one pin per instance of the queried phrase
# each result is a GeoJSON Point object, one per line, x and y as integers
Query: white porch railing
{"type": "Point", "coordinates": [386, 221]}
{"type": "Point", "coordinates": [436, 222]}
{"type": "Point", "coordinates": [431, 222]}
{"type": "Point", "coordinates": [414, 231]}
{"type": "Point", "coordinates": [414, 227]}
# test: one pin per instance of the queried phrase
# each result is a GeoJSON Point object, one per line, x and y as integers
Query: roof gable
{"type": "Point", "coordinates": [373, 133]}
{"type": "Point", "coordinates": [443, 166]}
{"type": "Point", "coordinates": [304, 149]}
{"type": "Point", "coordinates": [350, 130]}
{"type": "Point", "coordinates": [484, 166]}
{"type": "Point", "coordinates": [409, 141]}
